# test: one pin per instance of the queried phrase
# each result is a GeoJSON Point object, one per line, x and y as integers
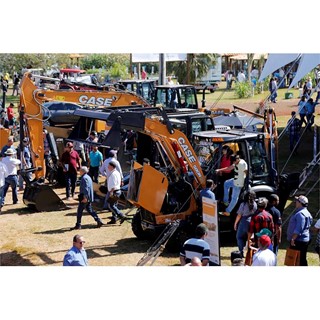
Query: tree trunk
{"type": "Point", "coordinates": [249, 62]}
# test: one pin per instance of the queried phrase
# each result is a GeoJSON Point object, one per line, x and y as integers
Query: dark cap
{"type": "Point", "coordinates": [201, 230]}
{"type": "Point", "coordinates": [264, 232]}
{"type": "Point", "coordinates": [69, 145]}
{"type": "Point", "coordinates": [94, 133]}
{"type": "Point", "coordinates": [112, 153]}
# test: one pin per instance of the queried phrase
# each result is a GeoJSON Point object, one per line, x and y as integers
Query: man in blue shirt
{"type": "Point", "coordinates": [298, 233]}
{"type": "Point", "coordinates": [86, 197]}
{"type": "Point", "coordinates": [96, 160]}
{"type": "Point", "coordinates": [207, 191]}
{"type": "Point", "coordinates": [77, 255]}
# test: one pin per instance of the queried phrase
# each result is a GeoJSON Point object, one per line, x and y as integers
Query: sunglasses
{"type": "Point", "coordinates": [81, 242]}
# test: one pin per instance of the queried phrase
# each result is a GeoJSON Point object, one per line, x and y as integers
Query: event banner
{"type": "Point", "coordinates": [210, 219]}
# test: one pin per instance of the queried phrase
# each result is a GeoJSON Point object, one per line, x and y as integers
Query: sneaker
{"type": "Point", "coordinates": [225, 213]}
{"type": "Point", "coordinates": [123, 219]}
{"type": "Point", "coordinates": [77, 227]}
{"type": "Point", "coordinates": [99, 224]}
{"type": "Point", "coordinates": [68, 199]}
{"type": "Point", "coordinates": [112, 221]}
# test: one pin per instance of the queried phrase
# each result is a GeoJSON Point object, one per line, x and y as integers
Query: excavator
{"type": "Point", "coordinates": [167, 189]}
{"type": "Point", "coordinates": [37, 194]}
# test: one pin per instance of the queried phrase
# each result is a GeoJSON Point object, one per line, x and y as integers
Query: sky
{"type": "Point", "coordinates": [143, 26]}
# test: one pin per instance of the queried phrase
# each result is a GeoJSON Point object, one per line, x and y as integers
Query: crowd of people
{"type": "Point", "coordinates": [258, 223]}
{"type": "Point", "coordinates": [15, 161]}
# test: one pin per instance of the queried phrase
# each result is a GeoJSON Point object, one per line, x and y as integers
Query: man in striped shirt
{"type": "Point", "coordinates": [196, 247]}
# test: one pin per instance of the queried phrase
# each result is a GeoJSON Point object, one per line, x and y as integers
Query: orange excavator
{"type": "Point", "coordinates": [31, 124]}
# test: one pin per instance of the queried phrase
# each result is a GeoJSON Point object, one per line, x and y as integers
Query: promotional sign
{"type": "Point", "coordinates": [210, 219]}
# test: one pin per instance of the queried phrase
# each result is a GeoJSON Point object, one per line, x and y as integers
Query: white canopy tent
{"type": "Point", "coordinates": [276, 61]}
{"type": "Point", "coordinates": [307, 62]}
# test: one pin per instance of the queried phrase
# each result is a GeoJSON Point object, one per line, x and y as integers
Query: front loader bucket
{"type": "Point", "coordinates": [42, 198]}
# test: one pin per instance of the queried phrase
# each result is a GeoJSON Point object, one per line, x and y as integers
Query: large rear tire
{"type": "Point", "coordinates": [137, 228]}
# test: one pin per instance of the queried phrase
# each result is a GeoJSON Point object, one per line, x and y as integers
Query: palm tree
{"type": "Point", "coordinates": [196, 65]}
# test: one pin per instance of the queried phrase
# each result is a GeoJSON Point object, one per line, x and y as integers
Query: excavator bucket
{"type": "Point", "coordinates": [41, 197]}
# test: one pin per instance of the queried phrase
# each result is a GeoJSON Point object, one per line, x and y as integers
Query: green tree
{"type": "Point", "coordinates": [105, 61]}
{"type": "Point", "coordinates": [196, 65]}
{"type": "Point", "coordinates": [15, 62]}
{"type": "Point", "coordinates": [118, 71]}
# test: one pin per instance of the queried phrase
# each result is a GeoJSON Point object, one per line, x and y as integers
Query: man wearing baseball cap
{"type": "Point", "coordinates": [70, 160]}
{"type": "Point", "coordinates": [298, 232]}
{"type": "Point", "coordinates": [265, 232]}
{"type": "Point", "coordinates": [260, 220]}
{"type": "Point", "coordinates": [264, 257]}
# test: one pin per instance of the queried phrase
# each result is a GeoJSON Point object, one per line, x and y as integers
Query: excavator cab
{"type": "Point", "coordinates": [173, 98]}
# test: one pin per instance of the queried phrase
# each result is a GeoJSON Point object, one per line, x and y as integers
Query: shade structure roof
{"type": "Point", "coordinates": [237, 119]}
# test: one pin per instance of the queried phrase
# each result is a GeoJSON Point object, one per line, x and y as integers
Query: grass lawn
{"type": "Point", "coordinates": [224, 95]}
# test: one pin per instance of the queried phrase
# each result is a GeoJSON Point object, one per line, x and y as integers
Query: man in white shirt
{"type": "Point", "coordinates": [12, 179]}
{"type": "Point", "coordinates": [114, 192]}
{"type": "Point", "coordinates": [112, 155]}
{"type": "Point", "coordinates": [3, 175]}
{"type": "Point", "coordinates": [240, 172]}
{"type": "Point", "coordinates": [264, 257]}
{"type": "Point", "coordinates": [241, 77]}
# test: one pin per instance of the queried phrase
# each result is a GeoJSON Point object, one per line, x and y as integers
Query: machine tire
{"type": "Point", "coordinates": [137, 228]}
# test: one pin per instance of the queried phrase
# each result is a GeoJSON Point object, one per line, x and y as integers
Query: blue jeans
{"type": "Point", "coordinates": [12, 181]}
{"type": "Point", "coordinates": [234, 196]}
{"type": "Point", "coordinates": [71, 179]}
{"type": "Point", "coordinates": [1, 195]}
{"type": "Point", "coordinates": [89, 209]}
{"type": "Point", "coordinates": [113, 207]}
{"type": "Point", "coordinates": [242, 232]}
{"type": "Point", "coordinates": [274, 96]}
{"type": "Point", "coordinates": [94, 174]}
